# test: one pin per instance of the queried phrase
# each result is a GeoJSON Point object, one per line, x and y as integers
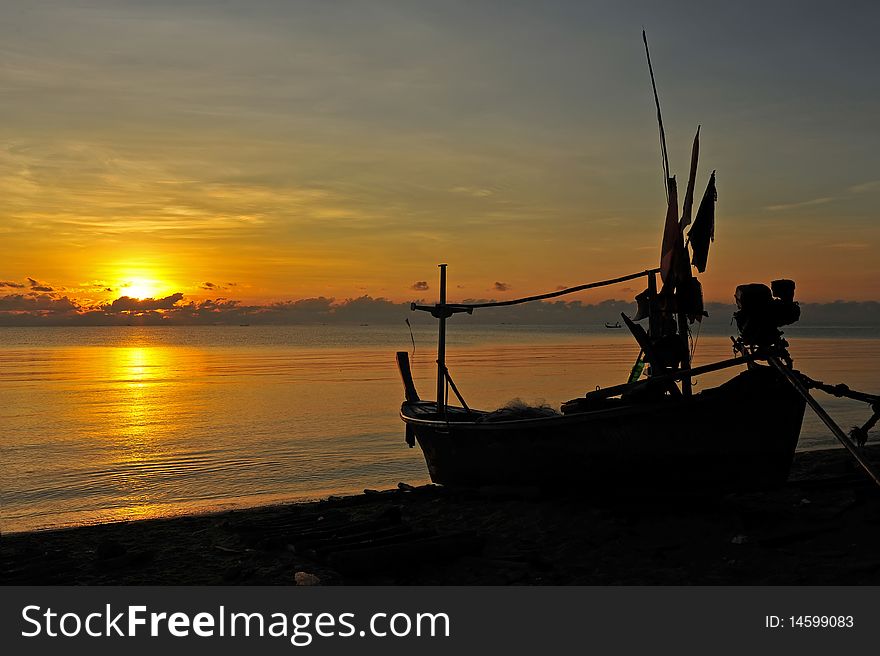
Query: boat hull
{"type": "Point", "coordinates": [740, 435]}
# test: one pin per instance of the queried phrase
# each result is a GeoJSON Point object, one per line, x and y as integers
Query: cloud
{"type": "Point", "coordinates": [850, 245]}
{"type": "Point", "coordinates": [473, 192]}
{"type": "Point", "coordinates": [806, 203]}
{"type": "Point", "coordinates": [35, 309]}
{"type": "Point", "coordinates": [840, 313]}
{"type": "Point", "coordinates": [96, 286]}
{"type": "Point", "coordinates": [318, 305]}
{"type": "Point", "coordinates": [39, 287]}
{"type": "Point", "coordinates": [420, 286]}
{"type": "Point", "coordinates": [9, 283]}
{"type": "Point", "coordinates": [501, 286]}
{"type": "Point", "coordinates": [864, 187]}
{"type": "Point", "coordinates": [128, 304]}
{"type": "Point", "coordinates": [38, 304]}
{"type": "Point", "coordinates": [213, 287]}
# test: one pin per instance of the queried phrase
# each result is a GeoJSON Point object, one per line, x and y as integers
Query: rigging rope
{"type": "Point", "coordinates": [412, 337]}
{"type": "Point", "coordinates": [695, 340]}
{"type": "Point", "coordinates": [561, 292]}
{"type": "Point", "coordinates": [859, 434]}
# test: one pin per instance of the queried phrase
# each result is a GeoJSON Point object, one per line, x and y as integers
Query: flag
{"type": "Point", "coordinates": [673, 257]}
{"type": "Point", "coordinates": [687, 208]}
{"type": "Point", "coordinates": [703, 230]}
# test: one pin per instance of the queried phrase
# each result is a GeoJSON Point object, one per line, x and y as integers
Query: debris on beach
{"type": "Point", "coordinates": [305, 578]}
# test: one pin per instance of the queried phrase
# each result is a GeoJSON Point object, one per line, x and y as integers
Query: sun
{"type": "Point", "coordinates": [139, 288]}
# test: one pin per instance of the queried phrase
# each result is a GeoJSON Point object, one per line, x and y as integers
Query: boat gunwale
{"type": "Point", "coordinates": [573, 417]}
{"type": "Point", "coordinates": [628, 408]}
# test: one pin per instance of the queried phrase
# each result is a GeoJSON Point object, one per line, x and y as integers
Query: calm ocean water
{"type": "Point", "coordinates": [107, 424]}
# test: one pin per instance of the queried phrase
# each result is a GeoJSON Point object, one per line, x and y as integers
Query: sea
{"type": "Point", "coordinates": [105, 424]}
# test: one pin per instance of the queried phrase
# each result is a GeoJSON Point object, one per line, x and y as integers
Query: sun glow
{"type": "Point", "coordinates": [139, 288]}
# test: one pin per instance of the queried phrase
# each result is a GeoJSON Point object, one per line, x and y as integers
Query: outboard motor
{"type": "Point", "coordinates": [762, 310]}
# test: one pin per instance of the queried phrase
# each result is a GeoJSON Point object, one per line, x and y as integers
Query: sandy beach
{"type": "Point", "coordinates": [822, 527]}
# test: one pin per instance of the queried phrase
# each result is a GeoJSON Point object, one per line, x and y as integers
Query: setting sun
{"type": "Point", "coordinates": [139, 288]}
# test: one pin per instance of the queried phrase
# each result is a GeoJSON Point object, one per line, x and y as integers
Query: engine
{"type": "Point", "coordinates": [762, 310]}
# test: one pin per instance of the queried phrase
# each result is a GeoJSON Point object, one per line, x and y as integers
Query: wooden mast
{"type": "Point", "coordinates": [685, 221]}
{"type": "Point", "coordinates": [441, 343]}
{"type": "Point", "coordinates": [663, 152]}
{"type": "Point", "coordinates": [682, 320]}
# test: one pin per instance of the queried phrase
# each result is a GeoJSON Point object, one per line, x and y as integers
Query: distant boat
{"type": "Point", "coordinates": [244, 325]}
{"type": "Point", "coordinates": [613, 325]}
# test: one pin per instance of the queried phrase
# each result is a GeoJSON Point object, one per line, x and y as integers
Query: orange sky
{"type": "Point", "coordinates": [299, 150]}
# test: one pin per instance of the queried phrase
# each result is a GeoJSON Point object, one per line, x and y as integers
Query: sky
{"type": "Point", "coordinates": [263, 151]}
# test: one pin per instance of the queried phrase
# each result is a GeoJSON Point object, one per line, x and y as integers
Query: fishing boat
{"type": "Point", "coordinates": [648, 433]}
{"type": "Point", "coordinates": [616, 324]}
{"type": "Point", "coordinates": [651, 433]}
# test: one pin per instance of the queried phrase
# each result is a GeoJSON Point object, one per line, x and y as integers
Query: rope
{"type": "Point", "coordinates": [561, 292]}
{"type": "Point", "coordinates": [839, 390]}
{"type": "Point", "coordinates": [694, 342]}
{"type": "Point", "coordinates": [409, 325]}
{"type": "Point", "coordinates": [451, 383]}
{"type": "Point", "coordinates": [859, 434]}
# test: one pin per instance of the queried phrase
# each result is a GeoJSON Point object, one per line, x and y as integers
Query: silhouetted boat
{"type": "Point", "coordinates": [653, 435]}
{"type": "Point", "coordinates": [739, 435]}
{"type": "Point", "coordinates": [646, 434]}
{"type": "Point", "coordinates": [613, 325]}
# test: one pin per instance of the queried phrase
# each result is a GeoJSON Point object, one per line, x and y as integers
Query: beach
{"type": "Point", "coordinates": [821, 528]}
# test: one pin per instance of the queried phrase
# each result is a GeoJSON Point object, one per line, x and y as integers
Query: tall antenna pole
{"type": "Point", "coordinates": [659, 119]}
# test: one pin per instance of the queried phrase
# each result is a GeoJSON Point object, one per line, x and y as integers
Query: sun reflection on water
{"type": "Point", "coordinates": [140, 370]}
{"type": "Point", "coordinates": [145, 393]}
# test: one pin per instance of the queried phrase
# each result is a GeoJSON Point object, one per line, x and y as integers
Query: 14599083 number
{"type": "Point", "coordinates": [822, 621]}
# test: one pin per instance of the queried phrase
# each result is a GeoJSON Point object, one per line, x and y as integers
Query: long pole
{"type": "Point", "coordinates": [842, 437]}
{"type": "Point", "coordinates": [663, 152]}
{"type": "Point", "coordinates": [614, 390]}
{"type": "Point", "coordinates": [441, 345]}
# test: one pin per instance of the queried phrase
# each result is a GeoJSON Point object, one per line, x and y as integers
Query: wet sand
{"type": "Point", "coordinates": [822, 527]}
